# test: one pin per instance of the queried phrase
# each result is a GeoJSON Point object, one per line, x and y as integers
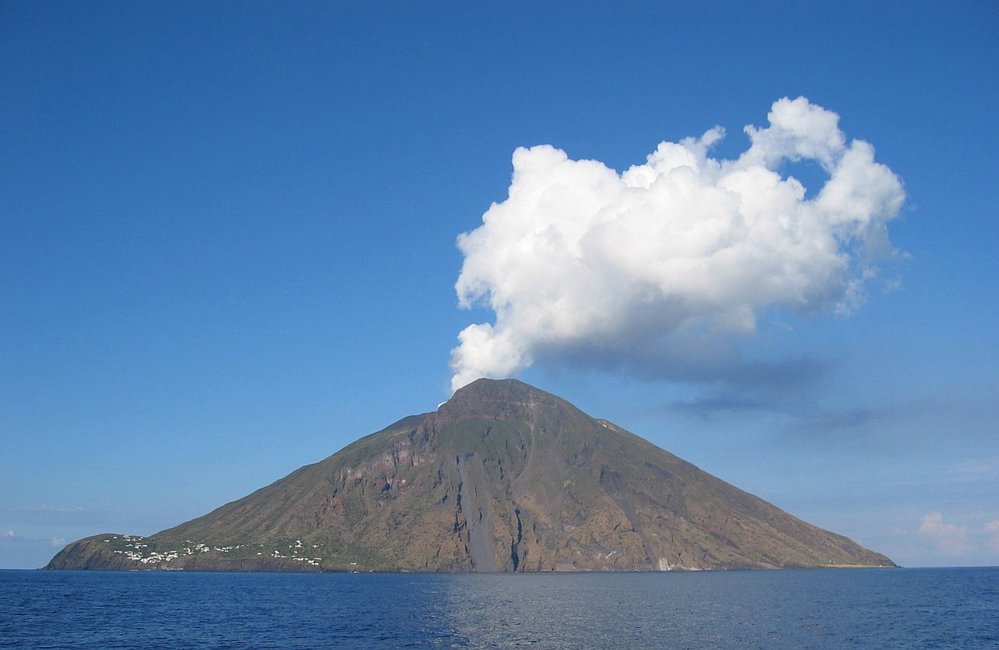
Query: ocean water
{"type": "Point", "coordinates": [858, 608]}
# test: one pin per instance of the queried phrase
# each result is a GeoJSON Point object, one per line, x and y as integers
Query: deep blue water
{"type": "Point", "coordinates": [858, 608]}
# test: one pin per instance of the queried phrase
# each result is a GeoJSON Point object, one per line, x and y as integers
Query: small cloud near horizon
{"type": "Point", "coordinates": [992, 535]}
{"type": "Point", "coordinates": [951, 539]}
{"type": "Point", "coordinates": [656, 271]}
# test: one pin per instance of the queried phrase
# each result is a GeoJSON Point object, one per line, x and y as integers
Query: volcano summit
{"type": "Point", "coordinates": [502, 477]}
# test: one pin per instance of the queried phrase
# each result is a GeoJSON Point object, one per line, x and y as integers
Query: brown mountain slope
{"type": "Point", "coordinates": [503, 477]}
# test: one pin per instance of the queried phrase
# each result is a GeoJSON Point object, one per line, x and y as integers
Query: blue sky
{"type": "Point", "coordinates": [228, 248]}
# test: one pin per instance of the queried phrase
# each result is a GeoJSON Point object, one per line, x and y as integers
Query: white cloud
{"type": "Point", "coordinates": [992, 535]}
{"type": "Point", "coordinates": [980, 467]}
{"type": "Point", "coordinates": [8, 533]}
{"type": "Point", "coordinates": [948, 538]}
{"type": "Point", "coordinates": [671, 257]}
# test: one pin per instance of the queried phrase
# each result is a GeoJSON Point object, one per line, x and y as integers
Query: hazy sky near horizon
{"type": "Point", "coordinates": [231, 234]}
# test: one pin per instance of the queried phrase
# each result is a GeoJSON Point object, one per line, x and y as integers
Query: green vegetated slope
{"type": "Point", "coordinates": [502, 477]}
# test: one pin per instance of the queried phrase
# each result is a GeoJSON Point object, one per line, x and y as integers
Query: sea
{"type": "Point", "coordinates": [828, 608]}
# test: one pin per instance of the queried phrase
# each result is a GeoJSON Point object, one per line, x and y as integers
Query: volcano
{"type": "Point", "coordinates": [502, 477]}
